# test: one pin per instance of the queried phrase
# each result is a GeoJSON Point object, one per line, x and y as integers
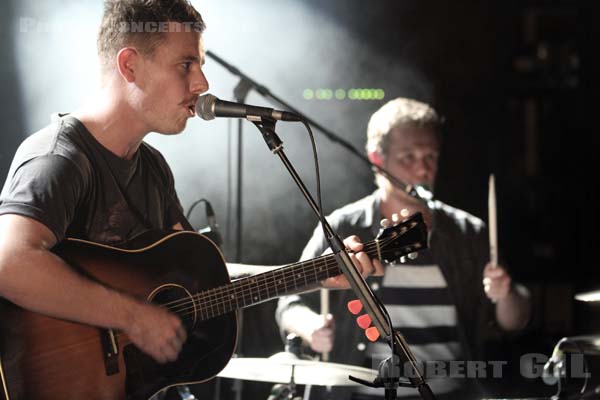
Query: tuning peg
{"type": "Point", "coordinates": [395, 217]}
{"type": "Point", "coordinates": [412, 255]}
{"type": "Point", "coordinates": [404, 213]}
{"type": "Point", "coordinates": [403, 259]}
{"type": "Point", "coordinates": [385, 223]}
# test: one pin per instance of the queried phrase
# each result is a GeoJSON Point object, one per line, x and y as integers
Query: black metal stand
{"type": "Point", "coordinates": [240, 92]}
{"type": "Point", "coordinates": [359, 286]}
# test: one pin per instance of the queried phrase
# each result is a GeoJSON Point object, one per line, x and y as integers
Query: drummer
{"type": "Point", "coordinates": [441, 300]}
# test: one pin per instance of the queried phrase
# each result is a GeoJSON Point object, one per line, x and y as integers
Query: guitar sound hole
{"type": "Point", "coordinates": [179, 301]}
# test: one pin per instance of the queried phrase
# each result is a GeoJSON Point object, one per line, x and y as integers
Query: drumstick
{"type": "Point", "coordinates": [492, 222]}
{"type": "Point", "coordinates": [324, 312]}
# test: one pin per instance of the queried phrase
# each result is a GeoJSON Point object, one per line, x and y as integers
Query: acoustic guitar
{"type": "Point", "coordinates": [46, 358]}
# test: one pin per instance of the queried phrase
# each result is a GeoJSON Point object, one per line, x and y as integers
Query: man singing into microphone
{"type": "Point", "coordinates": [437, 301]}
{"type": "Point", "coordinates": [90, 175]}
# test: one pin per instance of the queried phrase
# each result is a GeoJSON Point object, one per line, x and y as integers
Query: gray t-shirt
{"type": "Point", "coordinates": [64, 178]}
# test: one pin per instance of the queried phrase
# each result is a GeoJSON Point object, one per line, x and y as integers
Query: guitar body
{"type": "Point", "coordinates": [47, 359]}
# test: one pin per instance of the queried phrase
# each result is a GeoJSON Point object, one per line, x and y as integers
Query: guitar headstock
{"type": "Point", "coordinates": [401, 239]}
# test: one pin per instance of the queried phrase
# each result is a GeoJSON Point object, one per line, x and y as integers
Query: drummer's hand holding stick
{"type": "Point", "coordinates": [512, 304]}
{"type": "Point", "coordinates": [316, 330]}
{"type": "Point", "coordinates": [496, 281]}
{"type": "Point", "coordinates": [322, 335]}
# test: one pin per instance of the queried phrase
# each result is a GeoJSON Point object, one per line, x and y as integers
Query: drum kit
{"type": "Point", "coordinates": [287, 368]}
{"type": "Point", "coordinates": [573, 360]}
{"type": "Point", "coordinates": [290, 368]}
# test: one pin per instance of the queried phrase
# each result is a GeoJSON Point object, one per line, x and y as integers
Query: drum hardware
{"type": "Point", "coordinates": [185, 393]}
{"type": "Point", "coordinates": [285, 367]}
{"type": "Point", "coordinates": [568, 367]}
{"type": "Point", "coordinates": [388, 378]}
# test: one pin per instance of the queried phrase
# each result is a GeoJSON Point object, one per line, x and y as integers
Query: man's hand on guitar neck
{"type": "Point", "coordinates": [366, 266]}
{"type": "Point", "coordinates": [361, 260]}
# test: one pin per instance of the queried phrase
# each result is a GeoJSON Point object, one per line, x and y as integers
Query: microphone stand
{"type": "Point", "coordinates": [416, 191]}
{"type": "Point", "coordinates": [359, 286]}
{"type": "Point", "coordinates": [240, 92]}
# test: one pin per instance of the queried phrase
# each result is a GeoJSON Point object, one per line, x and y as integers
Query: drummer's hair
{"type": "Point", "coordinates": [396, 113]}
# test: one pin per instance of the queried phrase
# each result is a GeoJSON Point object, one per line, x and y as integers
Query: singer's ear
{"type": "Point", "coordinates": [127, 58]}
{"type": "Point", "coordinates": [376, 158]}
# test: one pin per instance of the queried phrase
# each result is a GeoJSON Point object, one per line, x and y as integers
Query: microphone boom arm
{"type": "Point", "coordinates": [415, 191]}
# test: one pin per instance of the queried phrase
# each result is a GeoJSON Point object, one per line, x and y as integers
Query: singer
{"type": "Point", "coordinates": [437, 300]}
{"type": "Point", "coordinates": [90, 175]}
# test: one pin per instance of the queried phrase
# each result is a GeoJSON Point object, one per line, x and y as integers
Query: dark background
{"type": "Point", "coordinates": [515, 80]}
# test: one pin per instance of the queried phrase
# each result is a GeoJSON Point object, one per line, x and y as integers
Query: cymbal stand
{"type": "Point", "coordinates": [285, 391]}
{"type": "Point", "coordinates": [388, 377]}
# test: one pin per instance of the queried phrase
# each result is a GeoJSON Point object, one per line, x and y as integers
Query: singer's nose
{"type": "Point", "coordinates": [198, 83]}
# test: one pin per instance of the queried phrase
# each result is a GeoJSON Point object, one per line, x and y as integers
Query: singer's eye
{"type": "Point", "coordinates": [186, 65]}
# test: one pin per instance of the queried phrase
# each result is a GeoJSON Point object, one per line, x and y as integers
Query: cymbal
{"type": "Point", "coordinates": [591, 297]}
{"type": "Point", "coordinates": [586, 344]}
{"type": "Point", "coordinates": [279, 368]}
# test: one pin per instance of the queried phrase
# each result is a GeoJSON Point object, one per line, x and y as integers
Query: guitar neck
{"type": "Point", "coordinates": [269, 285]}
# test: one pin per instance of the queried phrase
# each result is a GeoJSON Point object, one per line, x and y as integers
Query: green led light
{"type": "Point", "coordinates": [308, 94]}
{"type": "Point", "coordinates": [323, 94]}
{"type": "Point", "coordinates": [342, 94]}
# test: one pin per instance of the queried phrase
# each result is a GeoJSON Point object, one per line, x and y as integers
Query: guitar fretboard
{"type": "Point", "coordinates": [292, 278]}
{"type": "Point", "coordinates": [265, 286]}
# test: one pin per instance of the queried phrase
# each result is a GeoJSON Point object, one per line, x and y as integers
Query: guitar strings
{"type": "Point", "coordinates": [186, 311]}
{"type": "Point", "coordinates": [222, 295]}
{"type": "Point", "coordinates": [220, 307]}
{"type": "Point", "coordinates": [287, 272]}
{"type": "Point", "coordinates": [223, 298]}
{"type": "Point", "coordinates": [219, 300]}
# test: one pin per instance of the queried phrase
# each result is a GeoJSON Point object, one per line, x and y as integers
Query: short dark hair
{"type": "Point", "coordinates": [140, 23]}
{"type": "Point", "coordinates": [397, 113]}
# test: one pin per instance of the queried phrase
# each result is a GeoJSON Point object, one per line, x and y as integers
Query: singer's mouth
{"type": "Point", "coordinates": [190, 105]}
{"type": "Point", "coordinates": [191, 109]}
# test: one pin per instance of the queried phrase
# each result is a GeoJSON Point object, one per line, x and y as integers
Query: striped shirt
{"type": "Point", "coordinates": [417, 298]}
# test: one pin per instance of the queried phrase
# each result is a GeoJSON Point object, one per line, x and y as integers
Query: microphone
{"type": "Point", "coordinates": [212, 230]}
{"type": "Point", "coordinates": [209, 107]}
